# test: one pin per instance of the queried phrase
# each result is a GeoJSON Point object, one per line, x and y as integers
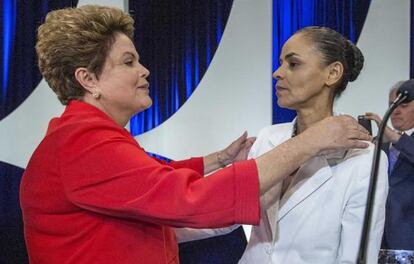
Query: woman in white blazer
{"type": "Point", "coordinates": [316, 215]}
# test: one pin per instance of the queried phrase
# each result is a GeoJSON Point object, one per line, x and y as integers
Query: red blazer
{"type": "Point", "coordinates": [90, 194]}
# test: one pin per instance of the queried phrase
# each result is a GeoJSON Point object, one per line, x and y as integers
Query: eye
{"type": "Point", "coordinates": [129, 62]}
{"type": "Point", "coordinates": [293, 64]}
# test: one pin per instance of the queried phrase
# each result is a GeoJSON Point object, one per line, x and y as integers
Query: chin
{"type": "Point", "coordinates": [149, 102]}
{"type": "Point", "coordinates": [397, 125]}
{"type": "Point", "coordinates": [143, 106]}
{"type": "Point", "coordinates": [284, 104]}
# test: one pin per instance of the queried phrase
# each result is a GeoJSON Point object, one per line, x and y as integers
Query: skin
{"type": "Point", "coordinates": [304, 83]}
{"type": "Point", "coordinates": [122, 85]}
{"type": "Point", "coordinates": [403, 116]}
{"type": "Point", "coordinates": [402, 119]}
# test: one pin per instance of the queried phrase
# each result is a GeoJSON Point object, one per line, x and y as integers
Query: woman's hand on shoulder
{"type": "Point", "coordinates": [336, 133]}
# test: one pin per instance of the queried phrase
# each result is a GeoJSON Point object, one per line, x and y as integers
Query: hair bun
{"type": "Point", "coordinates": [355, 61]}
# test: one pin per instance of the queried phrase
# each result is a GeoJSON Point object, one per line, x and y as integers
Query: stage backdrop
{"type": "Point", "coordinates": [220, 90]}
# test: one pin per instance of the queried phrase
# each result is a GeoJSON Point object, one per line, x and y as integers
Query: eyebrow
{"type": "Point", "coordinates": [131, 54]}
{"type": "Point", "coordinates": [291, 55]}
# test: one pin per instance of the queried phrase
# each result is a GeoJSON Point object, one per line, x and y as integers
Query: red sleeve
{"type": "Point", "coordinates": [196, 163]}
{"type": "Point", "coordinates": [104, 170]}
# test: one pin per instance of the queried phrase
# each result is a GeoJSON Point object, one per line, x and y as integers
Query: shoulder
{"type": "Point", "coordinates": [269, 137]}
{"type": "Point", "coordinates": [359, 163]}
{"type": "Point", "coordinates": [87, 129]}
{"type": "Point", "coordinates": [359, 156]}
{"type": "Point", "coordinates": [268, 131]}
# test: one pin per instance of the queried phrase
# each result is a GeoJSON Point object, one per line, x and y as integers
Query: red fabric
{"type": "Point", "coordinates": [90, 194]}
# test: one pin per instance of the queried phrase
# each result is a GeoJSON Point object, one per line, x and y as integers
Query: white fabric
{"type": "Point", "coordinates": [409, 131]}
{"type": "Point", "coordinates": [319, 219]}
{"type": "Point", "coordinates": [189, 234]}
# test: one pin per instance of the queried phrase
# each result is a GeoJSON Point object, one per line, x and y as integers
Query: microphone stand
{"type": "Point", "coordinates": [362, 255]}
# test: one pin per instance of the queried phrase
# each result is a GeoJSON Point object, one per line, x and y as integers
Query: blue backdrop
{"type": "Point", "coordinates": [19, 77]}
{"type": "Point", "coordinates": [177, 42]}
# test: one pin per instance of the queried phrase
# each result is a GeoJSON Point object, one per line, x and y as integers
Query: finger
{"type": "Point", "coordinates": [247, 148]}
{"type": "Point", "coordinates": [372, 115]}
{"type": "Point", "coordinates": [376, 118]}
{"type": "Point", "coordinates": [251, 140]}
{"type": "Point", "coordinates": [239, 140]}
{"type": "Point", "coordinates": [242, 137]}
{"type": "Point", "coordinates": [361, 136]}
{"type": "Point", "coordinates": [362, 129]}
{"type": "Point", "coordinates": [358, 133]}
{"type": "Point", "coordinates": [354, 143]}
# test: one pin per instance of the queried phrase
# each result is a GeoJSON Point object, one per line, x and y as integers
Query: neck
{"type": "Point", "coordinates": [307, 117]}
{"type": "Point", "coordinates": [121, 119]}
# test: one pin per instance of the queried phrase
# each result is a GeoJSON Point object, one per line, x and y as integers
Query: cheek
{"type": "Point", "coordinates": [410, 117]}
{"type": "Point", "coordinates": [304, 81]}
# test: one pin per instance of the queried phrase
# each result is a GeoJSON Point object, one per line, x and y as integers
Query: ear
{"type": "Point", "coordinates": [87, 79]}
{"type": "Point", "coordinates": [335, 73]}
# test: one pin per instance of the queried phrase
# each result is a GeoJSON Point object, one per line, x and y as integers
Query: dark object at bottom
{"type": "Point", "coordinates": [387, 256]}
{"type": "Point", "coordinates": [224, 249]}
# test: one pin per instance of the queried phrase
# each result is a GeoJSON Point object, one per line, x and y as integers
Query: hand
{"type": "Point", "coordinates": [238, 149]}
{"type": "Point", "coordinates": [336, 133]}
{"type": "Point", "coordinates": [390, 135]}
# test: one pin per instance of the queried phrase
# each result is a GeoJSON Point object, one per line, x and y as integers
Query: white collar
{"type": "Point", "coordinates": [409, 131]}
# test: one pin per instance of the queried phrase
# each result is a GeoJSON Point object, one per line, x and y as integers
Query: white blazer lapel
{"type": "Point", "coordinates": [309, 178]}
{"type": "Point", "coordinates": [271, 203]}
{"type": "Point", "coordinates": [270, 199]}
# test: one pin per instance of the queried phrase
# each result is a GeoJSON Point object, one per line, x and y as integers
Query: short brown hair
{"type": "Point", "coordinates": [77, 37]}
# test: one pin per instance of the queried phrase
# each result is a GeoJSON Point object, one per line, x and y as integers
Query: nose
{"type": "Point", "coordinates": [397, 110]}
{"type": "Point", "coordinates": [144, 72]}
{"type": "Point", "coordinates": [278, 73]}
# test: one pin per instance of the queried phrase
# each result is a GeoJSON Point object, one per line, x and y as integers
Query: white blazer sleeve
{"type": "Point", "coordinates": [190, 234]}
{"type": "Point", "coordinates": [353, 215]}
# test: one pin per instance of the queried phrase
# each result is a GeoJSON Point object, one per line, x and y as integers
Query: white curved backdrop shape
{"type": "Point", "coordinates": [234, 95]}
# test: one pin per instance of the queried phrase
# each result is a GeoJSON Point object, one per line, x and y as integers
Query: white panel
{"type": "Point", "coordinates": [24, 128]}
{"type": "Point", "coordinates": [234, 94]}
{"type": "Point", "coordinates": [385, 43]}
{"type": "Point", "coordinates": [115, 3]}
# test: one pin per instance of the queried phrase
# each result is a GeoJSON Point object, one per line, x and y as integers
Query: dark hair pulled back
{"type": "Point", "coordinates": [335, 47]}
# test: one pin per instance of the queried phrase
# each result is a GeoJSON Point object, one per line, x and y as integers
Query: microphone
{"type": "Point", "coordinates": [405, 94]}
{"type": "Point", "coordinates": [407, 89]}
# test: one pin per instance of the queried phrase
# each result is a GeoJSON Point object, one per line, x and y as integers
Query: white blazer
{"type": "Point", "coordinates": [320, 217]}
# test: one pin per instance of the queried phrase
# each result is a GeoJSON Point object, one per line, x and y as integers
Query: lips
{"type": "Point", "coordinates": [144, 86]}
{"type": "Point", "coordinates": [280, 88]}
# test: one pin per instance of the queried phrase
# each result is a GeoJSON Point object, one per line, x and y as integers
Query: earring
{"type": "Point", "coordinates": [96, 95]}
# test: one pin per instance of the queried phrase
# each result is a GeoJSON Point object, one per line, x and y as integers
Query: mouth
{"type": "Point", "coordinates": [144, 86]}
{"type": "Point", "coordinates": [280, 88]}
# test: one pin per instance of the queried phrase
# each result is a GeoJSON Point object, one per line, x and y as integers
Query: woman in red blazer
{"type": "Point", "coordinates": [90, 193]}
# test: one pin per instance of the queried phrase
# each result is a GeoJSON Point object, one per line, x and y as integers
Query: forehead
{"type": "Point", "coordinates": [393, 94]}
{"type": "Point", "coordinates": [122, 45]}
{"type": "Point", "coordinates": [298, 44]}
